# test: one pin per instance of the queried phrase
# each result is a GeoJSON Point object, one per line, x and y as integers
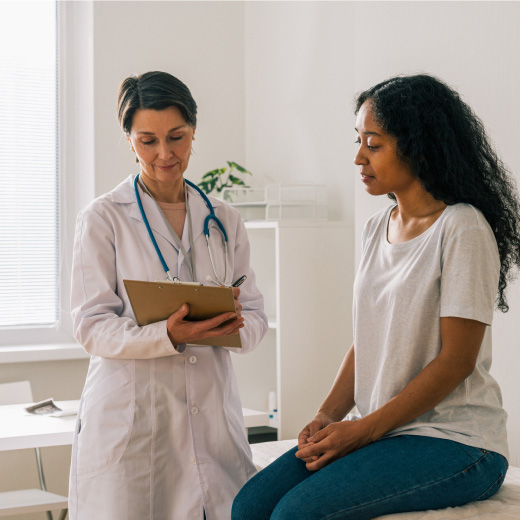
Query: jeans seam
{"type": "Point", "coordinates": [499, 479]}
{"type": "Point", "coordinates": [349, 510]}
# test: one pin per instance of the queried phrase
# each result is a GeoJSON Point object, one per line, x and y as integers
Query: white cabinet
{"type": "Point", "coordinates": [305, 270]}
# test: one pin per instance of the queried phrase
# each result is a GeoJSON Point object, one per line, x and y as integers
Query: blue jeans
{"type": "Point", "coordinates": [392, 475]}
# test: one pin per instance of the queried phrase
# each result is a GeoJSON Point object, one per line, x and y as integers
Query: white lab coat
{"type": "Point", "coordinates": [160, 434]}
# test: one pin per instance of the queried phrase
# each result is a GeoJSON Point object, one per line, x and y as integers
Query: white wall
{"type": "Point", "coordinates": [299, 85]}
{"type": "Point", "coordinates": [199, 42]}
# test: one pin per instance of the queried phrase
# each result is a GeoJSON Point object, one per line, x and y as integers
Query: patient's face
{"type": "Point", "coordinates": [382, 170]}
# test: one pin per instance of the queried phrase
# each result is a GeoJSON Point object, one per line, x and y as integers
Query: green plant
{"type": "Point", "coordinates": [220, 178]}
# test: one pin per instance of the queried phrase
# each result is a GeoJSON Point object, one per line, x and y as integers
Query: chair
{"type": "Point", "coordinates": [28, 500]}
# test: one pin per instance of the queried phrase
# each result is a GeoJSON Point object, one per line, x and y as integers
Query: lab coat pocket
{"type": "Point", "coordinates": [106, 422]}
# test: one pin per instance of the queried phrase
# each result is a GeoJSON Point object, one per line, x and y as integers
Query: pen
{"type": "Point", "coordinates": [240, 281]}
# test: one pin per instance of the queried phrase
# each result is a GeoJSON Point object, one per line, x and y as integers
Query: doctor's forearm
{"type": "Point", "coordinates": [120, 338]}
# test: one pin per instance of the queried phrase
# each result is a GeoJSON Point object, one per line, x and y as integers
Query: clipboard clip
{"type": "Point", "coordinates": [175, 279]}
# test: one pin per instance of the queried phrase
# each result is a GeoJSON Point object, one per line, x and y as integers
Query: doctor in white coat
{"type": "Point", "coordinates": [160, 432]}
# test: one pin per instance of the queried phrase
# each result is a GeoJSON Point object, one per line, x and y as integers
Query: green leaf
{"type": "Point", "coordinates": [241, 169]}
{"type": "Point", "coordinates": [216, 179]}
{"type": "Point", "coordinates": [210, 175]}
{"type": "Point", "coordinates": [203, 186]}
{"type": "Point", "coordinates": [236, 180]}
{"type": "Point", "coordinates": [212, 185]}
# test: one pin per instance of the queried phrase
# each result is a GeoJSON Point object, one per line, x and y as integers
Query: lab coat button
{"type": "Point", "coordinates": [194, 410]}
{"type": "Point", "coordinates": [193, 359]}
{"type": "Point", "coordinates": [193, 461]}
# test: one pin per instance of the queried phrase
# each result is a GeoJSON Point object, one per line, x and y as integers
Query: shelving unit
{"type": "Point", "coordinates": [305, 270]}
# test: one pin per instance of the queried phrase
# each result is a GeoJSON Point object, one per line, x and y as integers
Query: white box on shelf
{"type": "Point", "coordinates": [280, 201]}
{"type": "Point", "coordinates": [249, 201]}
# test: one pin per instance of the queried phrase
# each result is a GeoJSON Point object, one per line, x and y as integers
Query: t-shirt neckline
{"type": "Point", "coordinates": [419, 238]}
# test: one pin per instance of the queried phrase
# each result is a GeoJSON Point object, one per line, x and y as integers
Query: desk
{"type": "Point", "coordinates": [19, 430]}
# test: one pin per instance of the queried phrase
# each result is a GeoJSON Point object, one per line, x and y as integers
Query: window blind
{"type": "Point", "coordinates": [29, 210]}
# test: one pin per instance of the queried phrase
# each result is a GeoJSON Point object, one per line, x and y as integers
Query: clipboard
{"type": "Point", "coordinates": [157, 301]}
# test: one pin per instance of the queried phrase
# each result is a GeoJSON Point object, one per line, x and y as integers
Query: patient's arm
{"type": "Point", "coordinates": [461, 339]}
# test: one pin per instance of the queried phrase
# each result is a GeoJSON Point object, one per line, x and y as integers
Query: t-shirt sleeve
{"type": "Point", "coordinates": [470, 267]}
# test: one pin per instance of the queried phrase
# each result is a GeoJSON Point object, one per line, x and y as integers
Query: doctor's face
{"type": "Point", "coordinates": [382, 170]}
{"type": "Point", "coordinates": [162, 142]}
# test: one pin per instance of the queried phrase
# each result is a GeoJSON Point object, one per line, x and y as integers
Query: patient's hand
{"type": "Point", "coordinates": [318, 423]}
{"type": "Point", "coordinates": [332, 442]}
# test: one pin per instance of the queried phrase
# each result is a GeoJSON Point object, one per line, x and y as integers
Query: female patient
{"type": "Point", "coordinates": [432, 431]}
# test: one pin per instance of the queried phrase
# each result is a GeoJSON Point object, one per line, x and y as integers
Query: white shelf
{"type": "Point", "coordinates": [258, 204]}
{"type": "Point", "coordinates": [294, 223]}
{"type": "Point", "coordinates": [264, 203]}
{"type": "Point", "coordinates": [261, 224]}
{"type": "Point", "coordinates": [298, 353]}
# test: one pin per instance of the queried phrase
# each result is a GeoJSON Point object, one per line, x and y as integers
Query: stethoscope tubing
{"type": "Point", "coordinates": [207, 221]}
{"type": "Point", "coordinates": [211, 215]}
{"type": "Point", "coordinates": [149, 229]}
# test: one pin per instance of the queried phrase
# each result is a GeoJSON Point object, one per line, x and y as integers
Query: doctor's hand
{"type": "Point", "coordinates": [184, 331]}
{"type": "Point", "coordinates": [238, 305]}
{"type": "Point", "coordinates": [333, 442]}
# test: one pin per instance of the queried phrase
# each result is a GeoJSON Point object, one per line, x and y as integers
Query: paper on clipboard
{"type": "Point", "coordinates": [157, 301]}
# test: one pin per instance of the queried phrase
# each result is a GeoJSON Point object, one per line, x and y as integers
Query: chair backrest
{"type": "Point", "coordinates": [16, 393]}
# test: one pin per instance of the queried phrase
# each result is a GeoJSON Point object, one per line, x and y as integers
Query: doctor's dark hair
{"type": "Point", "coordinates": [447, 148]}
{"type": "Point", "coordinates": [156, 91]}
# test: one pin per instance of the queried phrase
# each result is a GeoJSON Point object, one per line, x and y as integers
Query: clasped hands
{"type": "Point", "coordinates": [184, 331]}
{"type": "Point", "coordinates": [323, 441]}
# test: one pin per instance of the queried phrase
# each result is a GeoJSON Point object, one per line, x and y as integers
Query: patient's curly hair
{"type": "Point", "coordinates": [447, 148]}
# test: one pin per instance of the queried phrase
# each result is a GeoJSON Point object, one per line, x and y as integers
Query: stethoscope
{"type": "Point", "coordinates": [207, 222]}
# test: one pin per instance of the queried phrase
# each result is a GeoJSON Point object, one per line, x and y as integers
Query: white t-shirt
{"type": "Point", "coordinates": [400, 293]}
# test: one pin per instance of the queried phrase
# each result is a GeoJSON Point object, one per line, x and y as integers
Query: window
{"type": "Point", "coordinates": [29, 194]}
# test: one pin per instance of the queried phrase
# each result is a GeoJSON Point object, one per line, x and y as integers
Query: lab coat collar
{"type": "Point", "coordinates": [124, 194]}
